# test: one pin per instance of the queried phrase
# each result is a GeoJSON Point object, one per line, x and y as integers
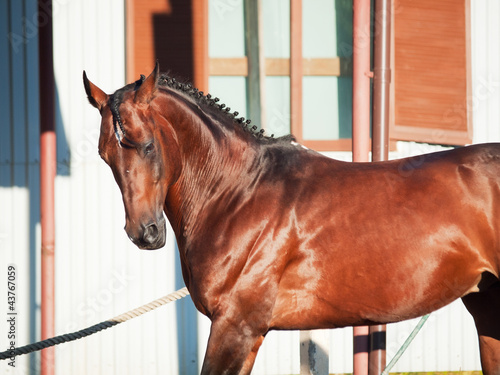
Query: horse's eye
{"type": "Point", "coordinates": [150, 147]}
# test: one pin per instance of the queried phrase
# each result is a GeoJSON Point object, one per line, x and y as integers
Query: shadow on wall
{"type": "Point", "coordinates": [19, 144]}
{"type": "Point", "coordinates": [173, 38]}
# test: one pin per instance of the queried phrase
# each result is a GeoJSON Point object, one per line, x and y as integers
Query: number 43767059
{"type": "Point", "coordinates": [11, 286]}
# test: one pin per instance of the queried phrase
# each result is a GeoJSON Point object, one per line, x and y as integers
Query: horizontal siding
{"type": "Point", "coordinates": [485, 98]}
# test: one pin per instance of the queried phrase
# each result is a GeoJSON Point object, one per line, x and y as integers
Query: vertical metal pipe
{"type": "Point", "coordinates": [360, 350]}
{"type": "Point", "coordinates": [381, 80]}
{"type": "Point", "coordinates": [377, 356]}
{"type": "Point", "coordinates": [361, 81]}
{"type": "Point", "coordinates": [380, 143]}
{"type": "Point", "coordinates": [254, 37]}
{"type": "Point", "coordinates": [296, 68]}
{"type": "Point", "coordinates": [47, 180]}
{"type": "Point", "coordinates": [361, 135]}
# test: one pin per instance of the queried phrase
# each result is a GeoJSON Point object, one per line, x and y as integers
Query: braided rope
{"type": "Point", "coordinates": [95, 328]}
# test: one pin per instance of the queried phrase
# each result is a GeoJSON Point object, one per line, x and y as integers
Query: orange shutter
{"type": "Point", "coordinates": [431, 71]}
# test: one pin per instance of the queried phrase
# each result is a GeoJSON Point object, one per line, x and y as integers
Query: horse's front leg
{"type": "Point", "coordinates": [232, 348]}
{"type": "Point", "coordinates": [249, 362]}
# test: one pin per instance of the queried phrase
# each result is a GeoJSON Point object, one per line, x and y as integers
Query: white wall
{"type": "Point", "coordinates": [100, 274]}
{"type": "Point", "coordinates": [485, 100]}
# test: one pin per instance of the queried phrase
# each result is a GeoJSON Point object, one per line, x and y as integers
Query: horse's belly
{"type": "Point", "coordinates": [376, 298]}
{"type": "Point", "coordinates": [314, 312]}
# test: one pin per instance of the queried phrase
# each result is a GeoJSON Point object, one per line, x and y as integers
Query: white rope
{"type": "Point", "coordinates": [181, 293]}
{"type": "Point", "coordinates": [95, 328]}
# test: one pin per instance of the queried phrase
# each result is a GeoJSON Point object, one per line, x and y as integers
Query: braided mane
{"type": "Point", "coordinates": [208, 100]}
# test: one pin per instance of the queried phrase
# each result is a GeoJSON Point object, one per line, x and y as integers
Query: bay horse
{"type": "Point", "coordinates": [274, 236]}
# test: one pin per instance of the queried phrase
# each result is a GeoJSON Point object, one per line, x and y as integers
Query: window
{"type": "Point", "coordinates": [306, 52]}
{"type": "Point", "coordinates": [431, 70]}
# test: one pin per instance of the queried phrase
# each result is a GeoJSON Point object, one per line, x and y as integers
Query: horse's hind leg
{"type": "Point", "coordinates": [485, 308]}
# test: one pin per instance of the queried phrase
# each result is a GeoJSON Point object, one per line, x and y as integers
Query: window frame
{"type": "Point", "coordinates": [296, 67]}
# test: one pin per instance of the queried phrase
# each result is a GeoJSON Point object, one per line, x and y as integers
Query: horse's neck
{"type": "Point", "coordinates": [213, 161]}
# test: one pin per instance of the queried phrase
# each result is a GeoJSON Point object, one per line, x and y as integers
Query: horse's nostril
{"type": "Point", "coordinates": [150, 233]}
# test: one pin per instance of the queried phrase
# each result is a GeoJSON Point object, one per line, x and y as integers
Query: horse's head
{"type": "Point", "coordinates": [134, 146]}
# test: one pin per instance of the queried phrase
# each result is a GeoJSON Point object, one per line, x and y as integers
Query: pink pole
{"type": "Point", "coordinates": [47, 179]}
{"type": "Point", "coordinates": [361, 81]}
{"type": "Point", "coordinates": [361, 136]}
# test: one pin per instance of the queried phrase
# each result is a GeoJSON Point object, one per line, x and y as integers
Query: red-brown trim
{"type": "Point", "coordinates": [200, 44]}
{"type": "Point", "coordinates": [344, 144]}
{"type": "Point", "coordinates": [468, 58]}
{"type": "Point", "coordinates": [296, 72]}
{"type": "Point", "coordinates": [129, 42]}
{"type": "Point", "coordinates": [238, 66]}
{"type": "Point", "coordinates": [48, 166]}
{"type": "Point", "coordinates": [361, 81]}
{"type": "Point", "coordinates": [321, 66]}
{"type": "Point", "coordinates": [430, 135]}
{"type": "Point", "coordinates": [232, 66]}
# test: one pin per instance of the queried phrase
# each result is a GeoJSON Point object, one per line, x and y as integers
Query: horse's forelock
{"type": "Point", "coordinates": [116, 100]}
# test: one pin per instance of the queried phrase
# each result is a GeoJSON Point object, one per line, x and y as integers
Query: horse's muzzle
{"type": "Point", "coordinates": [152, 236]}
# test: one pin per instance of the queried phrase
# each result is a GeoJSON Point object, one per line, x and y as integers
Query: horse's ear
{"type": "Point", "coordinates": [146, 91]}
{"type": "Point", "coordinates": [97, 97]}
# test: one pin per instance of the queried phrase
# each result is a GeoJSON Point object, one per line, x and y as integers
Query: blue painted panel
{"type": "Point", "coordinates": [5, 104]}
{"type": "Point", "coordinates": [19, 94]}
{"type": "Point", "coordinates": [18, 85]}
{"type": "Point", "coordinates": [32, 83]}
